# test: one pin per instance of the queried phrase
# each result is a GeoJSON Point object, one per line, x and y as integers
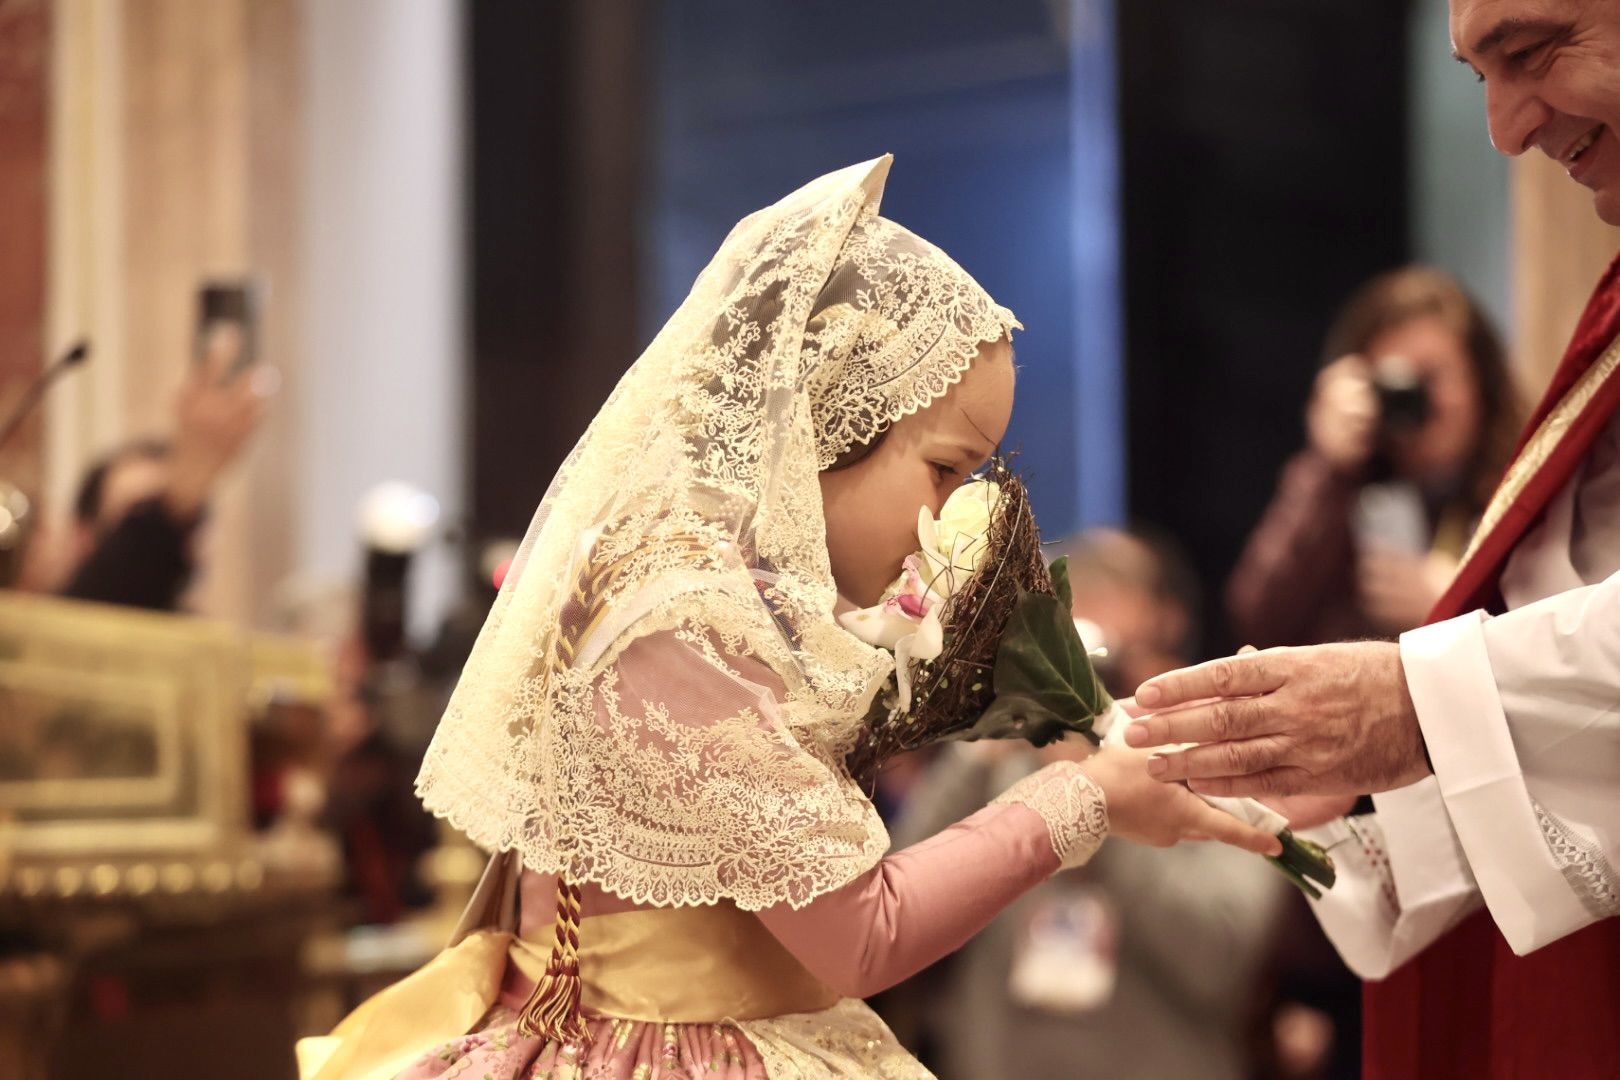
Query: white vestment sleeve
{"type": "Point", "coordinates": [1402, 880]}
{"type": "Point", "coordinates": [1521, 715]}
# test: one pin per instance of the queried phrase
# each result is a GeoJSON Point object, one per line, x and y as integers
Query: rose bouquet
{"type": "Point", "coordinates": [985, 647]}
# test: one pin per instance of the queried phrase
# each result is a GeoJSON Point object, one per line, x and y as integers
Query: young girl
{"type": "Point", "coordinates": [650, 731]}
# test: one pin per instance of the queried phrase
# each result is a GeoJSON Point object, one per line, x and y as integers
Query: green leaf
{"type": "Point", "coordinates": [1041, 655]}
{"type": "Point", "coordinates": [1060, 582]}
{"type": "Point", "coordinates": [1306, 858]}
{"type": "Point", "coordinates": [1296, 877]}
{"type": "Point", "coordinates": [1045, 685]}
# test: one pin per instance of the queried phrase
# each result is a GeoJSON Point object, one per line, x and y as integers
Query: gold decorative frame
{"type": "Point", "coordinates": [123, 733]}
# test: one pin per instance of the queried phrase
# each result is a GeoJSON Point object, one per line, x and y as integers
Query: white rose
{"type": "Point", "coordinates": [954, 547]}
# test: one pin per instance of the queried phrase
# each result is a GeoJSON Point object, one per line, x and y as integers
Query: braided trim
{"type": "Point", "coordinates": [553, 1009]}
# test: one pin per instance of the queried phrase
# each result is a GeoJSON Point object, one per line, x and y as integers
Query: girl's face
{"type": "Point", "coordinates": [871, 506]}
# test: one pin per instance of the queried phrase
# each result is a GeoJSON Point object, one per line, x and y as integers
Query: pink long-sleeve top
{"type": "Point", "coordinates": [914, 907]}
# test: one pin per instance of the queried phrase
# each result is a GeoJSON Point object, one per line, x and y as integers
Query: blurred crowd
{"type": "Point", "coordinates": [137, 536]}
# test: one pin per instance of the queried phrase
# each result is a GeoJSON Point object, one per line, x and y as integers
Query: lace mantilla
{"type": "Point", "coordinates": [660, 699]}
{"type": "Point", "coordinates": [900, 323]}
{"type": "Point", "coordinates": [1583, 864]}
{"type": "Point", "coordinates": [1072, 805]}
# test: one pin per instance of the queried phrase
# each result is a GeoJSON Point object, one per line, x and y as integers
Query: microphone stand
{"type": "Point", "coordinates": [15, 515]}
{"type": "Point", "coordinates": [31, 398]}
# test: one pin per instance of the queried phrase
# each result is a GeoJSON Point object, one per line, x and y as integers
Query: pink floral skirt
{"type": "Point", "coordinates": [618, 1050]}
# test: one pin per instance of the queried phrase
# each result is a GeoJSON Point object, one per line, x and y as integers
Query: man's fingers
{"type": "Point", "coordinates": [1219, 825]}
{"type": "Point", "coordinates": [1230, 676]}
{"type": "Point", "coordinates": [1214, 721]}
{"type": "Point", "coordinates": [1264, 784]}
{"type": "Point", "coordinates": [1221, 760]}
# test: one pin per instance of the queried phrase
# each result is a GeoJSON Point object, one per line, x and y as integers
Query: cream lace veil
{"type": "Point", "coordinates": [660, 700]}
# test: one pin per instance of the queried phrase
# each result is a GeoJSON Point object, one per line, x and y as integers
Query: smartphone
{"type": "Point", "coordinates": [235, 302]}
{"type": "Point", "coordinates": [1390, 517]}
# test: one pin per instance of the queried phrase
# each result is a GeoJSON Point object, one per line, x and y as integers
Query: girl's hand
{"type": "Point", "coordinates": [1147, 811]}
{"type": "Point", "coordinates": [1307, 811]}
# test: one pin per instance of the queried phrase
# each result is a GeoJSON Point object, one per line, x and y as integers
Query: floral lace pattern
{"type": "Point", "coordinates": [688, 779]}
{"type": "Point", "coordinates": [1072, 805]}
{"type": "Point", "coordinates": [690, 511]}
{"type": "Point", "coordinates": [896, 325]}
{"type": "Point", "coordinates": [1583, 864]}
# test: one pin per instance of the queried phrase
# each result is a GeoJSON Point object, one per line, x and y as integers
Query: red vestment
{"type": "Point", "coordinates": [1466, 1007]}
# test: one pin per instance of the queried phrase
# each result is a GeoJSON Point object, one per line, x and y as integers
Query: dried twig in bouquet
{"type": "Point", "coordinates": [986, 648]}
{"type": "Point", "coordinates": [1008, 663]}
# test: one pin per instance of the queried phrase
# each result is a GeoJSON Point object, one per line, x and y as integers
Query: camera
{"type": "Point", "coordinates": [1403, 396]}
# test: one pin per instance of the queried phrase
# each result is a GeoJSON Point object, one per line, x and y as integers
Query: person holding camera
{"type": "Point", "coordinates": [1409, 427]}
{"type": "Point", "coordinates": [138, 510]}
{"type": "Point", "coordinates": [1482, 887]}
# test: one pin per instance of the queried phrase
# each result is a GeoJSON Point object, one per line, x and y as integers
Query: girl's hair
{"type": "Point", "coordinates": [1414, 292]}
{"type": "Point", "coordinates": [859, 452]}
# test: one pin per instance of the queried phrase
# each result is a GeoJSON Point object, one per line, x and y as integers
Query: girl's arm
{"type": "Point", "coordinates": [926, 901]}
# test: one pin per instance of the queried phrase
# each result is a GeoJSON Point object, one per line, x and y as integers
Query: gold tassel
{"type": "Point", "coordinates": [553, 1009]}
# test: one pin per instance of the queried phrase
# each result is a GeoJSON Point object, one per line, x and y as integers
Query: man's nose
{"type": "Point", "coordinates": [1514, 116]}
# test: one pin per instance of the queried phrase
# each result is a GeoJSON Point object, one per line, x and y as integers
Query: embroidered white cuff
{"type": "Point", "coordinates": [1448, 673]}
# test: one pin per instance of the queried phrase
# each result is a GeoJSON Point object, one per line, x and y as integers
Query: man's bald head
{"type": "Point", "coordinates": [1551, 70]}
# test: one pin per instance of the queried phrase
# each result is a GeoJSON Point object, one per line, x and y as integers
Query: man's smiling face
{"type": "Point", "coordinates": [1551, 70]}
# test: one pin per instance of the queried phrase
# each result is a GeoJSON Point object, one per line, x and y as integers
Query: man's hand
{"type": "Point", "coordinates": [215, 416]}
{"type": "Point", "coordinates": [1323, 720]}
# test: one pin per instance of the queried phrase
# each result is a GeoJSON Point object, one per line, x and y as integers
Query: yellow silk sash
{"type": "Point", "coordinates": [684, 965]}
{"type": "Point", "coordinates": [672, 965]}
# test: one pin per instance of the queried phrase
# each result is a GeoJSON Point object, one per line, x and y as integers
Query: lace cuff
{"type": "Point", "coordinates": [1072, 805]}
{"type": "Point", "coordinates": [1582, 863]}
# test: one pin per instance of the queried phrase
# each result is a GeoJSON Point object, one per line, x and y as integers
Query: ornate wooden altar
{"type": "Point", "coordinates": [144, 930]}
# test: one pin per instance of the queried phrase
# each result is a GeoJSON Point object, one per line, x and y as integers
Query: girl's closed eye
{"type": "Point", "coordinates": [943, 471]}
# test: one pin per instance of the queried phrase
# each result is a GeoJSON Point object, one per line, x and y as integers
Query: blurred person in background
{"type": "Point", "coordinates": [1478, 894]}
{"type": "Point", "coordinates": [1145, 962]}
{"type": "Point", "coordinates": [133, 539]}
{"type": "Point", "coordinates": [1409, 427]}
